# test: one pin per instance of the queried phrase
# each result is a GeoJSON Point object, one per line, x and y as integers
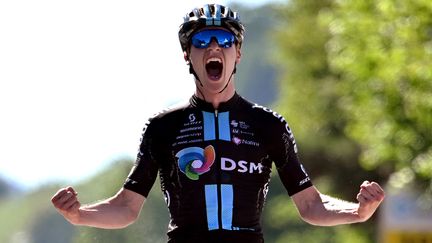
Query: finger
{"type": "Point", "coordinates": [71, 204]}
{"type": "Point", "coordinates": [361, 198]}
{"type": "Point", "coordinates": [375, 190]}
{"type": "Point", "coordinates": [369, 188]}
{"type": "Point", "coordinates": [365, 183]}
{"type": "Point", "coordinates": [66, 197]}
{"type": "Point", "coordinates": [61, 202]}
{"type": "Point", "coordinates": [367, 194]}
{"type": "Point", "coordinates": [59, 194]}
{"type": "Point", "coordinates": [75, 206]}
{"type": "Point", "coordinates": [69, 188]}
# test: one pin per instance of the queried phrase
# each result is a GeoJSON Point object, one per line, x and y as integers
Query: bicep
{"type": "Point", "coordinates": [131, 200]}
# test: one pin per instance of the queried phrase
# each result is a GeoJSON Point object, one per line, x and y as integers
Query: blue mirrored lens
{"type": "Point", "coordinates": [202, 39]}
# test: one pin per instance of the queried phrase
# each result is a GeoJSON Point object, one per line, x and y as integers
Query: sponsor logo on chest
{"type": "Point", "coordinates": [206, 126]}
{"type": "Point", "coordinates": [195, 161]}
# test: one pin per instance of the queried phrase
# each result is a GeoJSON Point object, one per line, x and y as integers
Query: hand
{"type": "Point", "coordinates": [67, 204]}
{"type": "Point", "coordinates": [370, 197]}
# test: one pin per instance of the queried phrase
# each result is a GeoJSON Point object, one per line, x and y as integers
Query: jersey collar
{"type": "Point", "coordinates": [230, 104]}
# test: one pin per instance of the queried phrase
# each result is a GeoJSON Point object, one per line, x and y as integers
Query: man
{"type": "Point", "coordinates": [214, 154]}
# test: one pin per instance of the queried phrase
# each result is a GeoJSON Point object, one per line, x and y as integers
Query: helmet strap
{"type": "Point", "coordinates": [192, 71]}
{"type": "Point", "coordinates": [226, 85]}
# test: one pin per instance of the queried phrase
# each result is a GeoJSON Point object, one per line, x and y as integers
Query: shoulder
{"type": "Point", "coordinates": [266, 114]}
{"type": "Point", "coordinates": [169, 113]}
{"type": "Point", "coordinates": [272, 120]}
{"type": "Point", "coordinates": [265, 117]}
{"type": "Point", "coordinates": [163, 118]}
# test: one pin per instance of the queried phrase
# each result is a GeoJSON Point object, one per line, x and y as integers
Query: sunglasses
{"type": "Point", "coordinates": [202, 39]}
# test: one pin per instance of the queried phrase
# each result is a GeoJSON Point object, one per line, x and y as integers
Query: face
{"type": "Point", "coordinates": [214, 65]}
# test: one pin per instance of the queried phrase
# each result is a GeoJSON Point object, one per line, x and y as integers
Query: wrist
{"type": "Point", "coordinates": [75, 218]}
{"type": "Point", "coordinates": [362, 215]}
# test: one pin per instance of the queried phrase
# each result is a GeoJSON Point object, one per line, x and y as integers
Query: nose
{"type": "Point", "coordinates": [214, 45]}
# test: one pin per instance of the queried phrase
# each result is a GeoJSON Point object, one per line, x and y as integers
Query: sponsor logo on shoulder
{"type": "Point", "coordinates": [281, 119]}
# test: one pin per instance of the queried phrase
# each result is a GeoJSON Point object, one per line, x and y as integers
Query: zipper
{"type": "Point", "coordinates": [218, 182]}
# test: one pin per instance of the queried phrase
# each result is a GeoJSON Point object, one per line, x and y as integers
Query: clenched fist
{"type": "Point", "coordinates": [370, 197]}
{"type": "Point", "coordinates": [67, 204]}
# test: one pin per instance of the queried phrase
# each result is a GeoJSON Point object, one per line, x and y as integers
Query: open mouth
{"type": "Point", "coordinates": [214, 68]}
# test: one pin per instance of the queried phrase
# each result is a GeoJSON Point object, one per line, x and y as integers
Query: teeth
{"type": "Point", "coordinates": [214, 59]}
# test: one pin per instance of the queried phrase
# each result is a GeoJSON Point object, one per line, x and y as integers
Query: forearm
{"type": "Point", "coordinates": [319, 209]}
{"type": "Point", "coordinates": [116, 212]}
{"type": "Point", "coordinates": [106, 214]}
{"type": "Point", "coordinates": [332, 211]}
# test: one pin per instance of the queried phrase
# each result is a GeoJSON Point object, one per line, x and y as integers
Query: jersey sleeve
{"type": "Point", "coordinates": [283, 151]}
{"type": "Point", "coordinates": [143, 174]}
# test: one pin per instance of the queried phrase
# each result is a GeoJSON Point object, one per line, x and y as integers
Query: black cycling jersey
{"type": "Point", "coordinates": [214, 167]}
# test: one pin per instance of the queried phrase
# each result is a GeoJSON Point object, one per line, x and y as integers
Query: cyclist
{"type": "Point", "coordinates": [214, 154]}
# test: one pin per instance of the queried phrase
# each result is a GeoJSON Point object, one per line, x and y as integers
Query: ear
{"type": "Point", "coordinates": [186, 57]}
{"type": "Point", "coordinates": [238, 57]}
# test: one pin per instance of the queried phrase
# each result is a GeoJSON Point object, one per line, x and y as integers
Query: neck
{"type": "Point", "coordinates": [215, 98]}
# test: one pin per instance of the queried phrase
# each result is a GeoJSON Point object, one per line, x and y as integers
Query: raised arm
{"type": "Point", "coordinates": [319, 209]}
{"type": "Point", "coordinates": [118, 211]}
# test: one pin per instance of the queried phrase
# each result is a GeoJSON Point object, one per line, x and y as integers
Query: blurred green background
{"type": "Point", "coordinates": [354, 81]}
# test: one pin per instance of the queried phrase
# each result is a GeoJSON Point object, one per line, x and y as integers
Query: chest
{"type": "Point", "coordinates": [216, 147]}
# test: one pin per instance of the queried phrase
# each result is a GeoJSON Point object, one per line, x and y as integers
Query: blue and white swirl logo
{"type": "Point", "coordinates": [195, 161]}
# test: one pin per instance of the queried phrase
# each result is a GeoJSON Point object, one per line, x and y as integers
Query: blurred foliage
{"type": "Point", "coordinates": [151, 225]}
{"type": "Point", "coordinates": [356, 88]}
{"type": "Point", "coordinates": [383, 52]}
{"type": "Point", "coordinates": [359, 73]}
{"type": "Point", "coordinates": [4, 188]}
{"type": "Point", "coordinates": [256, 76]}
{"type": "Point", "coordinates": [30, 218]}
{"type": "Point", "coordinates": [33, 219]}
{"type": "Point", "coordinates": [309, 100]}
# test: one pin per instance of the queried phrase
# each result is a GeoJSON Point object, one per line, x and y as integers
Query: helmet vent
{"type": "Point", "coordinates": [210, 15]}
